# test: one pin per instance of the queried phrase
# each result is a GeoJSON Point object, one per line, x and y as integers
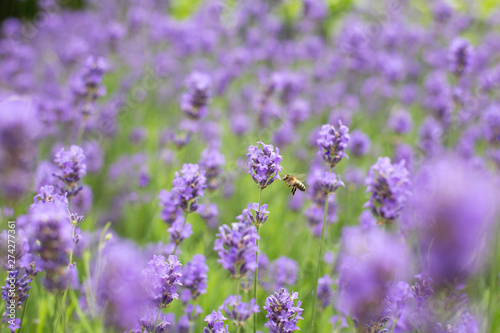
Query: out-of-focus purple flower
{"type": "Point", "coordinates": [82, 203]}
{"type": "Point", "coordinates": [137, 135]}
{"type": "Point", "coordinates": [264, 164]}
{"type": "Point", "coordinates": [369, 262]}
{"type": "Point", "coordinates": [188, 186]}
{"type": "Point", "coordinates": [460, 56]}
{"type": "Point", "coordinates": [152, 321]}
{"type": "Point", "coordinates": [442, 11]}
{"type": "Point", "coordinates": [170, 210]}
{"type": "Point", "coordinates": [215, 323]}
{"type": "Point", "coordinates": [48, 194]}
{"type": "Point", "coordinates": [325, 293]}
{"type": "Point", "coordinates": [195, 100]}
{"type": "Point", "coordinates": [161, 279]}
{"type": "Point", "coordinates": [448, 194]}
{"type": "Point", "coordinates": [72, 168]}
{"type": "Point", "coordinates": [330, 182]}
{"type": "Point", "coordinates": [237, 310]}
{"type": "Point", "coordinates": [280, 273]}
{"type": "Point", "coordinates": [404, 152]}
{"type": "Point", "coordinates": [115, 289]}
{"type": "Point", "coordinates": [315, 215]}
{"type": "Point", "coordinates": [491, 124]}
{"type": "Point", "coordinates": [422, 289]}
{"type": "Point", "coordinates": [179, 231]}
{"type": "Point", "coordinates": [236, 248]}
{"type": "Point", "coordinates": [194, 278]}
{"type": "Point", "coordinates": [94, 156]}
{"type": "Point", "coordinates": [53, 241]}
{"type": "Point", "coordinates": [389, 188]}
{"type": "Point", "coordinates": [467, 324]}
{"type": "Point", "coordinates": [367, 220]}
{"type": "Point", "coordinates": [282, 313]}
{"type": "Point", "coordinates": [88, 87]}
{"type": "Point", "coordinates": [400, 122]}
{"type": "Point", "coordinates": [212, 162]}
{"type": "Point", "coordinates": [332, 143]}
{"type": "Point", "coordinates": [360, 143]}
{"type": "Point", "coordinates": [210, 214]}
{"type": "Point", "coordinates": [255, 214]}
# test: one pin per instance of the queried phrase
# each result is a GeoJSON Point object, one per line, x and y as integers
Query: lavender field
{"type": "Point", "coordinates": [251, 166]}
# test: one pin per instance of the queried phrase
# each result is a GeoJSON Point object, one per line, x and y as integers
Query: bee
{"type": "Point", "coordinates": [294, 183]}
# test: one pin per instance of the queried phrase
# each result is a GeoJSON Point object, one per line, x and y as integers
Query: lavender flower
{"type": "Point", "coordinates": [195, 100]}
{"type": "Point", "coordinates": [422, 289]}
{"type": "Point", "coordinates": [48, 194]}
{"type": "Point", "coordinates": [467, 324]}
{"type": "Point", "coordinates": [72, 168]}
{"type": "Point", "coordinates": [400, 122]}
{"type": "Point", "coordinates": [236, 248]}
{"type": "Point", "coordinates": [212, 161]}
{"type": "Point", "coordinates": [325, 293]}
{"type": "Point", "coordinates": [194, 278]}
{"type": "Point", "coordinates": [389, 188]}
{"type": "Point", "coordinates": [332, 143]}
{"type": "Point", "coordinates": [53, 242]}
{"type": "Point", "coordinates": [237, 310]}
{"type": "Point", "coordinates": [460, 56]}
{"type": "Point", "coordinates": [264, 164]}
{"type": "Point", "coordinates": [369, 263]}
{"type": "Point", "coordinates": [360, 143]}
{"type": "Point", "coordinates": [88, 87]}
{"type": "Point", "coordinates": [280, 273]}
{"type": "Point", "coordinates": [152, 321]}
{"type": "Point", "coordinates": [255, 214]}
{"type": "Point", "coordinates": [179, 231]}
{"type": "Point", "coordinates": [170, 209]}
{"type": "Point", "coordinates": [209, 213]}
{"type": "Point", "coordinates": [188, 186]}
{"type": "Point", "coordinates": [282, 314]}
{"type": "Point", "coordinates": [161, 279]}
{"type": "Point", "coordinates": [330, 182]}
{"type": "Point", "coordinates": [448, 194]}
{"type": "Point", "coordinates": [215, 323]}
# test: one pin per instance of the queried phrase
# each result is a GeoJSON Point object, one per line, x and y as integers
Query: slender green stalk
{"type": "Point", "coordinates": [24, 310]}
{"type": "Point", "coordinates": [238, 279]}
{"type": "Point", "coordinates": [257, 268]}
{"type": "Point", "coordinates": [319, 264]}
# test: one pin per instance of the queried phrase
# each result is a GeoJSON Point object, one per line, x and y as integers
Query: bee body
{"type": "Point", "coordinates": [294, 183]}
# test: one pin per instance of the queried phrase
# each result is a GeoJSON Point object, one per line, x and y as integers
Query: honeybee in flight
{"type": "Point", "coordinates": [294, 183]}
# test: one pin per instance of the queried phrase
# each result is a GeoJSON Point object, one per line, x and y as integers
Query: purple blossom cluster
{"type": "Point", "coordinates": [236, 248]}
{"type": "Point", "coordinates": [195, 100]}
{"type": "Point", "coordinates": [161, 278]}
{"type": "Point", "coordinates": [188, 186]}
{"type": "Point", "coordinates": [237, 310]}
{"type": "Point", "coordinates": [282, 312]}
{"type": "Point", "coordinates": [215, 323]}
{"type": "Point", "coordinates": [388, 185]}
{"type": "Point", "coordinates": [332, 143]}
{"type": "Point", "coordinates": [194, 278]}
{"type": "Point", "coordinates": [71, 169]}
{"type": "Point", "coordinates": [264, 164]}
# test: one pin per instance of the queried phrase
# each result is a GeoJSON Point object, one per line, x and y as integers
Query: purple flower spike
{"type": "Point", "coordinates": [72, 168]}
{"type": "Point", "coordinates": [179, 231]}
{"type": "Point", "coordinates": [195, 100]}
{"type": "Point", "coordinates": [460, 56]}
{"type": "Point", "coordinates": [236, 248]}
{"type": "Point", "coordinates": [170, 209]}
{"type": "Point", "coordinates": [194, 278]}
{"type": "Point", "coordinates": [360, 143]}
{"type": "Point", "coordinates": [259, 215]}
{"type": "Point", "coordinates": [389, 187]}
{"type": "Point", "coordinates": [264, 164]}
{"type": "Point", "coordinates": [212, 162]}
{"type": "Point", "coordinates": [330, 182]}
{"type": "Point", "coordinates": [332, 143]}
{"type": "Point", "coordinates": [325, 292]}
{"type": "Point", "coordinates": [215, 323]}
{"type": "Point", "coordinates": [161, 279]}
{"type": "Point", "coordinates": [239, 311]}
{"type": "Point", "coordinates": [188, 186]}
{"type": "Point", "coordinates": [282, 314]}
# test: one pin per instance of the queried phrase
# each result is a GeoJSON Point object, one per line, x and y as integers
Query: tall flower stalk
{"type": "Point", "coordinates": [264, 167]}
{"type": "Point", "coordinates": [332, 144]}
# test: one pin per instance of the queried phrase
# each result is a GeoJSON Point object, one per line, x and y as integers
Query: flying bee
{"type": "Point", "coordinates": [294, 183]}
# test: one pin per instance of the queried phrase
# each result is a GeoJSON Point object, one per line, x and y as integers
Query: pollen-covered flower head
{"type": "Point", "coordinates": [264, 164]}
{"type": "Point", "coordinates": [195, 100]}
{"type": "Point", "coordinates": [282, 313]}
{"type": "Point", "coordinates": [188, 186]}
{"type": "Point", "coordinates": [332, 143]}
{"type": "Point", "coordinates": [236, 248]}
{"type": "Point", "coordinates": [388, 185]}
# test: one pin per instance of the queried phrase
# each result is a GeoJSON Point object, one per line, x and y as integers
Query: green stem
{"type": "Point", "coordinates": [319, 264]}
{"type": "Point", "coordinates": [257, 268]}
{"type": "Point", "coordinates": [238, 327]}
{"type": "Point", "coordinates": [24, 310]}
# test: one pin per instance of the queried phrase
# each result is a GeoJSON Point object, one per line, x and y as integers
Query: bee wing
{"type": "Point", "coordinates": [300, 176]}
